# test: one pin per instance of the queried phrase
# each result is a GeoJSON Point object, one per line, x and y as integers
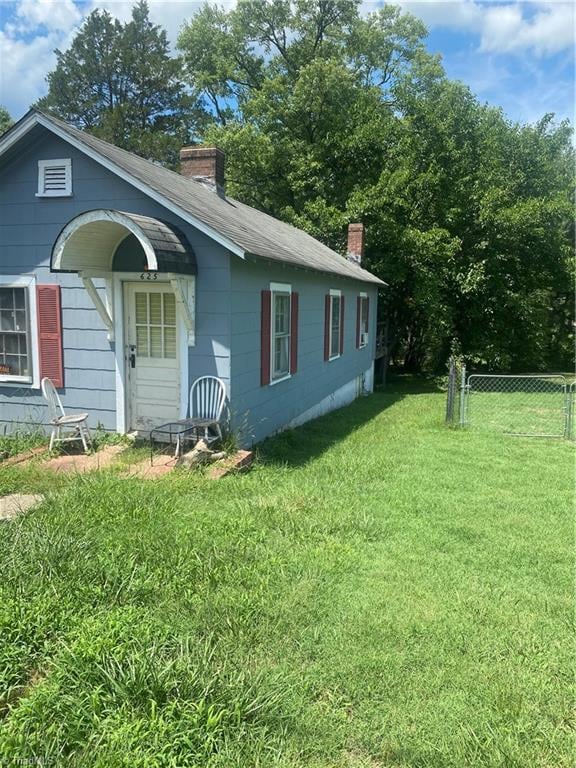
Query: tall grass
{"type": "Point", "coordinates": [378, 591]}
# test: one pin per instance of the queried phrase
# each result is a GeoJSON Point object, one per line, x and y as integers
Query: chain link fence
{"type": "Point", "coordinates": [539, 405]}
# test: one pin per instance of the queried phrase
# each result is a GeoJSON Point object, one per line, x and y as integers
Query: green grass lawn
{"type": "Point", "coordinates": [379, 591]}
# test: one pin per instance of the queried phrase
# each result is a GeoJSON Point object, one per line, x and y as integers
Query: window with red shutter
{"type": "Point", "coordinates": [265, 318]}
{"type": "Point", "coordinates": [49, 312]}
{"type": "Point", "coordinates": [279, 334]}
{"type": "Point", "coordinates": [327, 307]}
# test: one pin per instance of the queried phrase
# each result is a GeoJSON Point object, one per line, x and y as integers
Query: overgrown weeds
{"type": "Point", "coordinates": [20, 440]}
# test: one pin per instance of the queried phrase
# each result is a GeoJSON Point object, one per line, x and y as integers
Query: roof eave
{"type": "Point", "coordinates": [373, 280]}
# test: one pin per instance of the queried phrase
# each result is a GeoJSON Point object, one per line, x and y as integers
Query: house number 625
{"type": "Point", "coordinates": [149, 276]}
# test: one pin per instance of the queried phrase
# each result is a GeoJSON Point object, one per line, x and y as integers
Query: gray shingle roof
{"type": "Point", "coordinates": [253, 231]}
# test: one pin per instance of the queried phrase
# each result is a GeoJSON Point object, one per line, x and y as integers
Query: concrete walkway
{"type": "Point", "coordinates": [16, 503]}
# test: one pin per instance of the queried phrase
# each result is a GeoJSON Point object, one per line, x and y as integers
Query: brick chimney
{"type": "Point", "coordinates": [355, 242]}
{"type": "Point", "coordinates": [204, 164]}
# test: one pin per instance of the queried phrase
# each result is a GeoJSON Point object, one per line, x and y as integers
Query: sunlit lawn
{"type": "Point", "coordinates": [379, 591]}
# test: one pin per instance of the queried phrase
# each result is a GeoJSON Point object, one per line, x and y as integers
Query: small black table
{"type": "Point", "coordinates": [174, 432]}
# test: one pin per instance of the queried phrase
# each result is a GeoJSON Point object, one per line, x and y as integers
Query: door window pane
{"type": "Point", "coordinates": [169, 309]}
{"type": "Point", "coordinates": [155, 342]}
{"type": "Point", "coordinates": [155, 308]}
{"type": "Point", "coordinates": [155, 324]}
{"type": "Point", "coordinates": [142, 341]}
{"type": "Point", "coordinates": [170, 342]}
{"type": "Point", "coordinates": [141, 307]}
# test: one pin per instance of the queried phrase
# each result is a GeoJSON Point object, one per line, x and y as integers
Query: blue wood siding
{"type": "Point", "coordinates": [28, 228]}
{"type": "Point", "coordinates": [260, 411]}
{"type": "Point", "coordinates": [227, 306]}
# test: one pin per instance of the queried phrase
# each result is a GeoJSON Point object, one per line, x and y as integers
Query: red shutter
{"type": "Point", "coordinates": [265, 338]}
{"type": "Point", "coordinates": [358, 318]}
{"type": "Point", "coordinates": [342, 325]}
{"type": "Point", "coordinates": [49, 312]}
{"type": "Point", "coordinates": [327, 327]}
{"type": "Point", "coordinates": [294, 333]}
{"type": "Point", "coordinates": [367, 313]}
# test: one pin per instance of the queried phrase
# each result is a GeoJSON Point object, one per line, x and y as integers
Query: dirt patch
{"type": "Point", "coordinates": [240, 461]}
{"type": "Point", "coordinates": [163, 464]}
{"type": "Point", "coordinates": [357, 759]}
{"type": "Point", "coordinates": [10, 699]}
{"type": "Point", "coordinates": [16, 503]}
{"type": "Point", "coordinates": [82, 463]}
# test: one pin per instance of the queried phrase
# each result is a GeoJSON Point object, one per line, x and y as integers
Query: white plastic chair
{"type": "Point", "coordinates": [76, 424]}
{"type": "Point", "coordinates": [207, 401]}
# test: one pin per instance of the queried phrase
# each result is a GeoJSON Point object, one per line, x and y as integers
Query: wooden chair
{"type": "Point", "coordinates": [207, 401]}
{"type": "Point", "coordinates": [64, 428]}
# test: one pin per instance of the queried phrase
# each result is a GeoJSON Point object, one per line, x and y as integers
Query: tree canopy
{"type": "Point", "coordinates": [5, 119]}
{"type": "Point", "coordinates": [329, 116]}
{"type": "Point", "coordinates": [119, 82]}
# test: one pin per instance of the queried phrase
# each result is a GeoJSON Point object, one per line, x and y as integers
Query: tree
{"type": "Point", "coordinates": [119, 82]}
{"type": "Point", "coordinates": [329, 117]}
{"type": "Point", "coordinates": [5, 119]}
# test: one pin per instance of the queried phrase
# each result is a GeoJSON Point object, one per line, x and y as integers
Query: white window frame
{"type": "Point", "coordinates": [363, 302]}
{"type": "Point", "coordinates": [335, 293]}
{"type": "Point", "coordinates": [275, 289]}
{"type": "Point", "coordinates": [66, 163]}
{"type": "Point", "coordinates": [29, 283]}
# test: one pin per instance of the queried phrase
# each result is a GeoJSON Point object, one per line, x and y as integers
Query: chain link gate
{"type": "Point", "coordinates": [538, 405]}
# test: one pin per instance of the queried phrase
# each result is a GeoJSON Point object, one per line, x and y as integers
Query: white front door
{"type": "Point", "coordinates": [152, 356]}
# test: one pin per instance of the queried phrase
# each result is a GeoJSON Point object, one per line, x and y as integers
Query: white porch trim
{"type": "Point", "coordinates": [102, 310]}
{"type": "Point", "coordinates": [90, 250]}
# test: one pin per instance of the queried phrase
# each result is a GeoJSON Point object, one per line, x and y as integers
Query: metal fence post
{"type": "Point", "coordinates": [463, 395]}
{"type": "Point", "coordinates": [450, 393]}
{"type": "Point", "coordinates": [569, 400]}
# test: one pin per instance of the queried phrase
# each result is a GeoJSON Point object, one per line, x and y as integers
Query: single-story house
{"type": "Point", "coordinates": [124, 282]}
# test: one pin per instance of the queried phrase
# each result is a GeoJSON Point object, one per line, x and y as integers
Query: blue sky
{"type": "Point", "coordinates": [516, 55]}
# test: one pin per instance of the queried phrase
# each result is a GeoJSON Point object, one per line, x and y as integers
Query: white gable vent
{"type": "Point", "coordinates": [54, 178]}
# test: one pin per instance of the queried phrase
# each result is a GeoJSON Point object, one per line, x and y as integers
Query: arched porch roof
{"type": "Point", "coordinates": [89, 241]}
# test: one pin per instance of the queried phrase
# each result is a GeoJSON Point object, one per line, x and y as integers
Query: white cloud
{"type": "Point", "coordinates": [24, 67]}
{"type": "Point", "coordinates": [27, 44]}
{"type": "Point", "coordinates": [543, 28]}
{"type": "Point", "coordinates": [170, 14]}
{"type": "Point", "coordinates": [548, 31]}
{"type": "Point", "coordinates": [453, 14]}
{"type": "Point", "coordinates": [57, 15]}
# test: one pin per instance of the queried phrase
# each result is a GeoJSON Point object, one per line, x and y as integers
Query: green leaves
{"type": "Point", "coordinates": [5, 119]}
{"type": "Point", "coordinates": [328, 116]}
{"type": "Point", "coordinates": [119, 82]}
